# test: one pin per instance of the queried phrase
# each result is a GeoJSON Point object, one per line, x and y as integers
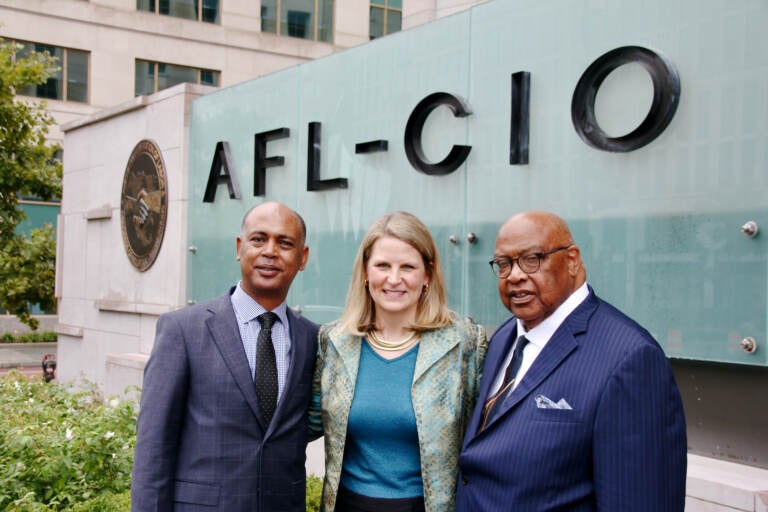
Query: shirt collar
{"type": "Point", "coordinates": [541, 334]}
{"type": "Point", "coordinates": [247, 309]}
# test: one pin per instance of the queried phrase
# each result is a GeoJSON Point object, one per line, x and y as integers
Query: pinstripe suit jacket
{"type": "Point", "coordinates": [444, 389]}
{"type": "Point", "coordinates": [202, 442]}
{"type": "Point", "coordinates": [622, 446]}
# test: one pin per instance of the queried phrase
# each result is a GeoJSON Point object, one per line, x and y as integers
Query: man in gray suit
{"type": "Point", "coordinates": [223, 424]}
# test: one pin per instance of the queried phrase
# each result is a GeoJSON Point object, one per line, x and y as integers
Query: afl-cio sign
{"type": "Point", "coordinates": [666, 96]}
{"type": "Point", "coordinates": [144, 204]}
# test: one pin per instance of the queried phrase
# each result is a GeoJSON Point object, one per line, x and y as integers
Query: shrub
{"type": "Point", "coordinates": [61, 446]}
{"type": "Point", "coordinates": [30, 337]}
{"type": "Point", "coordinates": [105, 503]}
{"type": "Point", "coordinates": [67, 449]}
{"type": "Point", "coordinates": [314, 493]}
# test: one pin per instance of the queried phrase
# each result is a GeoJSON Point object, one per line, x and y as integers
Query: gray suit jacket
{"type": "Point", "coordinates": [202, 442]}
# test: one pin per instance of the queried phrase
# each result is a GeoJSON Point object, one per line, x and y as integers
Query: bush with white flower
{"type": "Point", "coordinates": [67, 449]}
{"type": "Point", "coordinates": [62, 446]}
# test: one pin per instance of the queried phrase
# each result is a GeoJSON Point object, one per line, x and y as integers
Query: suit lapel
{"type": "Point", "coordinates": [348, 348]}
{"type": "Point", "coordinates": [432, 347]}
{"type": "Point", "coordinates": [222, 324]}
{"type": "Point", "coordinates": [557, 349]}
{"type": "Point", "coordinates": [498, 347]}
{"type": "Point", "coordinates": [342, 360]}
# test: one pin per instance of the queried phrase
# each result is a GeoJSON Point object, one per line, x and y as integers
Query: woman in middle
{"type": "Point", "coordinates": [396, 379]}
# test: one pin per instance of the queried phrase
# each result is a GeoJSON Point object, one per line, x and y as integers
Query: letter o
{"type": "Point", "coordinates": [666, 95]}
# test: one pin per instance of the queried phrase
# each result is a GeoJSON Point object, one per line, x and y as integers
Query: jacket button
{"type": "Point", "coordinates": [464, 480]}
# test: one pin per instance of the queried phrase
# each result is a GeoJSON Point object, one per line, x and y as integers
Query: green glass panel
{"type": "Point", "coordinates": [359, 83]}
{"type": "Point", "coordinates": [658, 227]}
{"type": "Point", "coordinates": [397, 4]}
{"type": "Point", "coordinates": [379, 2]}
{"type": "Point", "coordinates": [213, 227]}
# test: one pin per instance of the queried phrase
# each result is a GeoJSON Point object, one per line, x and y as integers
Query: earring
{"type": "Point", "coordinates": [365, 284]}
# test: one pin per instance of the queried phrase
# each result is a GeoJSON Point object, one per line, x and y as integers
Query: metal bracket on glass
{"type": "Point", "coordinates": [750, 229]}
{"type": "Point", "coordinates": [453, 239]}
{"type": "Point", "coordinates": [471, 237]}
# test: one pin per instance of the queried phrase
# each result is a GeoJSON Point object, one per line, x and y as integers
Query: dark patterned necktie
{"type": "Point", "coordinates": [506, 385]}
{"type": "Point", "coordinates": [266, 366]}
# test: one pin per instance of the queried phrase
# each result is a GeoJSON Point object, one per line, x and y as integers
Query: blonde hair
{"type": "Point", "coordinates": [359, 315]}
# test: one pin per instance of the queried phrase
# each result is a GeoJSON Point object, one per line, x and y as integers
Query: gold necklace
{"type": "Point", "coordinates": [391, 346]}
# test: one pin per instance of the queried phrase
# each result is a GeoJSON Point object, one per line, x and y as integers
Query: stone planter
{"type": "Point", "coordinates": [14, 355]}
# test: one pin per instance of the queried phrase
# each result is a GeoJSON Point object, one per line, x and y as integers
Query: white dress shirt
{"type": "Point", "coordinates": [538, 337]}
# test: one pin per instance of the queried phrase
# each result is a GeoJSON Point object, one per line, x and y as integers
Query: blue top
{"type": "Point", "coordinates": [381, 455]}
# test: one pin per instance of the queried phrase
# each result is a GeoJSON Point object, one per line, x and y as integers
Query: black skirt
{"type": "Point", "coordinates": [348, 501]}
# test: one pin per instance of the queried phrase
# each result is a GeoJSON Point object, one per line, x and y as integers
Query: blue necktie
{"type": "Point", "coordinates": [509, 380]}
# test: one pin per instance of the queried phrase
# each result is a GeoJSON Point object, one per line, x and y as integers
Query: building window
{"type": "Point", "coordinates": [156, 76]}
{"type": "Point", "coordinates": [199, 10]}
{"type": "Point", "coordinates": [69, 82]}
{"type": "Point", "coordinates": [386, 17]}
{"type": "Point", "coordinates": [305, 19]}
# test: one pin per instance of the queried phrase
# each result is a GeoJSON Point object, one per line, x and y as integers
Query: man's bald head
{"type": "Point", "coordinates": [534, 297]}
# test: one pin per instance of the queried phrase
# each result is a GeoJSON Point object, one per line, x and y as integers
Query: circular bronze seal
{"type": "Point", "coordinates": [144, 204]}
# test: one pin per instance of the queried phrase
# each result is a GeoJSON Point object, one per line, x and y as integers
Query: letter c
{"type": "Point", "coordinates": [415, 126]}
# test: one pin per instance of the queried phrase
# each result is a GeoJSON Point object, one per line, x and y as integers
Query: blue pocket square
{"type": "Point", "coordinates": [543, 402]}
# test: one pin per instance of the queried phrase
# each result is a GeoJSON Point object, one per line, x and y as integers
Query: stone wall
{"type": "Point", "coordinates": [107, 307]}
{"type": "Point", "coordinates": [9, 323]}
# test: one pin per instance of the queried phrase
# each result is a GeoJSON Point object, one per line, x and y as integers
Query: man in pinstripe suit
{"type": "Point", "coordinates": [589, 417]}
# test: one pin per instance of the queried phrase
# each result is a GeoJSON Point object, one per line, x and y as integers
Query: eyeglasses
{"type": "Point", "coordinates": [528, 263]}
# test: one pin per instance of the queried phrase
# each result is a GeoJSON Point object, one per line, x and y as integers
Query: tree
{"type": "Point", "coordinates": [27, 169]}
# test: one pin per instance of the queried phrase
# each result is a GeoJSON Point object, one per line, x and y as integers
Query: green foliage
{"type": "Point", "coordinates": [27, 273]}
{"type": "Point", "coordinates": [67, 449]}
{"type": "Point", "coordinates": [27, 168]}
{"type": "Point", "coordinates": [105, 503]}
{"type": "Point", "coordinates": [61, 446]}
{"type": "Point", "coordinates": [30, 337]}
{"type": "Point", "coordinates": [314, 493]}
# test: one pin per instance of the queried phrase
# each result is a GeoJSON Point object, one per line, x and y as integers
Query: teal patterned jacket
{"type": "Point", "coordinates": [446, 381]}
